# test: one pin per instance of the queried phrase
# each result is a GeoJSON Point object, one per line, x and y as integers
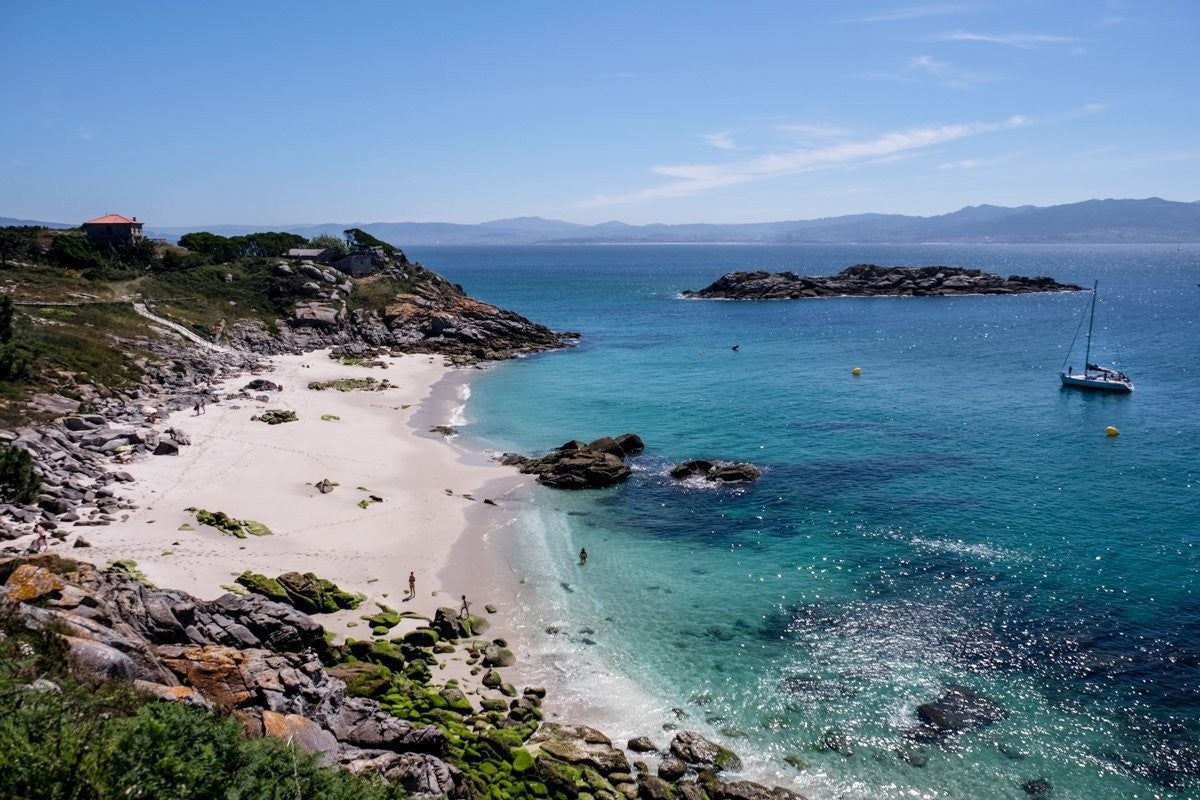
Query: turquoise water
{"type": "Point", "coordinates": [950, 517]}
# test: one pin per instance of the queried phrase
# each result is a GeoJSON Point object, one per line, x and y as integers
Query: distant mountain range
{"type": "Point", "coordinates": [1152, 220]}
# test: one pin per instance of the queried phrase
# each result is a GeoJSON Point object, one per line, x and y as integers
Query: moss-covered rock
{"type": "Point", "coordinates": [267, 587]}
{"type": "Point", "coordinates": [421, 637]}
{"type": "Point", "coordinates": [129, 568]}
{"type": "Point", "coordinates": [418, 671]}
{"type": "Point", "coordinates": [305, 592]}
{"type": "Point", "coordinates": [456, 700]}
{"type": "Point", "coordinates": [522, 761]}
{"type": "Point", "coordinates": [386, 618]}
{"type": "Point", "coordinates": [494, 704]}
{"type": "Point", "coordinates": [351, 384]}
{"type": "Point", "coordinates": [387, 654]}
{"type": "Point", "coordinates": [241, 528]}
{"type": "Point", "coordinates": [364, 679]}
{"type": "Point", "coordinates": [275, 416]}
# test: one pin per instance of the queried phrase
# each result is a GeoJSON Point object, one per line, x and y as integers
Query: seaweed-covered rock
{"type": "Point", "coordinates": [386, 618]}
{"type": "Point", "coordinates": [276, 416]}
{"type": "Point", "coordinates": [579, 746]}
{"type": "Point", "coordinates": [269, 588]}
{"type": "Point", "coordinates": [314, 595]}
{"type": "Point", "coordinates": [421, 637]}
{"type": "Point", "coordinates": [241, 528]}
{"type": "Point", "coordinates": [304, 592]}
{"type": "Point", "coordinates": [363, 678]}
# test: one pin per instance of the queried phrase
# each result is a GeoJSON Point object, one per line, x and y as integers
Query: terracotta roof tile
{"type": "Point", "coordinates": [112, 219]}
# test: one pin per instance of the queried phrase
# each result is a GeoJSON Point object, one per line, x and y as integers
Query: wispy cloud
{"type": "Point", "coordinates": [947, 73]}
{"type": "Point", "coordinates": [693, 179]}
{"type": "Point", "coordinates": [1024, 41]}
{"type": "Point", "coordinates": [721, 141]}
{"type": "Point", "coordinates": [966, 164]}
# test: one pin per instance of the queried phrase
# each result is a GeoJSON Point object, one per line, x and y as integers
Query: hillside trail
{"type": "Point", "coordinates": [141, 309]}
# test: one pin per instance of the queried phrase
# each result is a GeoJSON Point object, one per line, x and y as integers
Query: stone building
{"type": "Point", "coordinates": [112, 229]}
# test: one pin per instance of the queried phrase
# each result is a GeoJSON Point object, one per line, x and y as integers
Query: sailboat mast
{"type": "Point", "coordinates": [1087, 358]}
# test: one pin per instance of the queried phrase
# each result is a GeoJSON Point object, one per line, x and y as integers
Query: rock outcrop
{"type": "Point", "coordinates": [578, 465]}
{"type": "Point", "coordinates": [366, 706]}
{"type": "Point", "coordinates": [868, 280]}
{"type": "Point", "coordinates": [716, 471]}
{"type": "Point", "coordinates": [430, 315]}
{"type": "Point", "coordinates": [258, 659]}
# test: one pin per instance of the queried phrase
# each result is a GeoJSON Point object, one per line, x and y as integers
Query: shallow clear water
{"type": "Point", "coordinates": [950, 517]}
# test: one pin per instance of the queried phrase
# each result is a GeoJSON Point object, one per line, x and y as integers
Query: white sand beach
{"type": "Point", "coordinates": [366, 442]}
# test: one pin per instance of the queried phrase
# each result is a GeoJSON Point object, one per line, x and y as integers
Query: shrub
{"type": "Point", "coordinates": [60, 740]}
{"type": "Point", "coordinates": [75, 252]}
{"type": "Point", "coordinates": [19, 483]}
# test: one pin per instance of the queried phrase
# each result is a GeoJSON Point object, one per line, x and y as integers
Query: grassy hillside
{"type": "Point", "coordinates": [72, 319]}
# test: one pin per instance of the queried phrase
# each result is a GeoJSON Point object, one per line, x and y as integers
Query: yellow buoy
{"type": "Point", "coordinates": [856, 371]}
{"type": "Point", "coordinates": [1111, 430]}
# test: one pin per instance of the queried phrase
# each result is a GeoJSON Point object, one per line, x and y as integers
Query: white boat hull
{"type": "Point", "coordinates": [1098, 383]}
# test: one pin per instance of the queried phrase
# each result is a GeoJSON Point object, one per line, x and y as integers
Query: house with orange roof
{"type": "Point", "coordinates": [112, 229]}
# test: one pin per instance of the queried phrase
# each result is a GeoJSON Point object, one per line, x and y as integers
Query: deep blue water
{"type": "Point", "coordinates": [949, 518]}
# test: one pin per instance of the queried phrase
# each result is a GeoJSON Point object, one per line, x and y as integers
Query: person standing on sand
{"type": "Point", "coordinates": [582, 556]}
{"type": "Point", "coordinates": [465, 611]}
{"type": "Point", "coordinates": [412, 585]}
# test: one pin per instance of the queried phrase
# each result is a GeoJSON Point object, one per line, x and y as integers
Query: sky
{"type": "Point", "coordinates": [277, 113]}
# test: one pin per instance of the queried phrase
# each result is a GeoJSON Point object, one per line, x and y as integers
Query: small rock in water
{"type": "Point", "coordinates": [1038, 789]}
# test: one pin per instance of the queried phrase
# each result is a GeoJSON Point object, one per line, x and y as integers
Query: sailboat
{"type": "Point", "coordinates": [1094, 376]}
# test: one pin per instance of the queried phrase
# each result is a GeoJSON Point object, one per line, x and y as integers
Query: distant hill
{"type": "Point", "coordinates": [1151, 220]}
{"type": "Point", "coordinates": [9, 222]}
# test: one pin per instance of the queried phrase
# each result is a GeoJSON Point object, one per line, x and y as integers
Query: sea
{"type": "Point", "coordinates": [949, 522]}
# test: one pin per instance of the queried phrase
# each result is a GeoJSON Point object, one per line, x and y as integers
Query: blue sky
{"type": "Point", "coordinates": [300, 112]}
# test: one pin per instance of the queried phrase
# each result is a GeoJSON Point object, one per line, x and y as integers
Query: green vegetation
{"type": "Point", "coordinates": [336, 247]}
{"type": "Point", "coordinates": [70, 321]}
{"type": "Point", "coordinates": [18, 481]}
{"type": "Point", "coordinates": [15, 359]}
{"type": "Point", "coordinates": [359, 239]}
{"type": "Point", "coordinates": [222, 250]}
{"type": "Point", "coordinates": [61, 740]}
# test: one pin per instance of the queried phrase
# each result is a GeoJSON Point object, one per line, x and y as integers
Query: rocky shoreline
{"type": "Point", "coordinates": [868, 280]}
{"type": "Point", "coordinates": [366, 706]}
{"type": "Point", "coordinates": [363, 706]}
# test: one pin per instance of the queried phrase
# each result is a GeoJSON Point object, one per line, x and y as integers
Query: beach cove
{"type": "Point", "coordinates": [416, 492]}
